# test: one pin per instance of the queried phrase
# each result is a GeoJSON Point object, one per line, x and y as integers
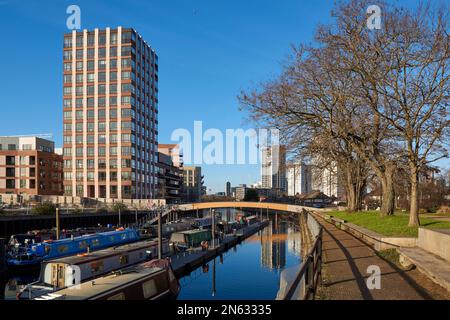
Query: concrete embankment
{"type": "Point", "coordinates": [183, 263]}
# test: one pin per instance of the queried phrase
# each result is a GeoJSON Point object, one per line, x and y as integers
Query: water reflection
{"type": "Point", "coordinates": [250, 270]}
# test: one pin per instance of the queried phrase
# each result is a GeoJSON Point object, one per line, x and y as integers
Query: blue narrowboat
{"type": "Point", "coordinates": [32, 254]}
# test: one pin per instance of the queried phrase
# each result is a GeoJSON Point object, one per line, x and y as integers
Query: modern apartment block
{"type": "Point", "coordinates": [273, 167]}
{"type": "Point", "coordinates": [110, 114]}
{"type": "Point", "coordinates": [193, 183]}
{"type": "Point", "coordinates": [29, 165]}
{"type": "Point", "coordinates": [299, 178]}
{"type": "Point", "coordinates": [170, 173]}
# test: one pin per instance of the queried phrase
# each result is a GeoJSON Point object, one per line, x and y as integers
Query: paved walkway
{"type": "Point", "coordinates": [346, 260]}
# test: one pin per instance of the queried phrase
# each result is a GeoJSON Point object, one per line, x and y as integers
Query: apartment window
{"type": "Point", "coordinates": [113, 126]}
{"type": "Point", "coordinates": [79, 65]}
{"type": "Point", "coordinates": [113, 101]}
{"type": "Point", "coordinates": [90, 90]}
{"type": "Point", "coordinates": [112, 113]}
{"type": "Point", "coordinates": [102, 151]}
{"type": "Point", "coordinates": [23, 184]}
{"type": "Point", "coordinates": [102, 52]}
{"type": "Point", "coordinates": [67, 175]}
{"type": "Point", "coordinates": [67, 66]}
{"type": "Point", "coordinates": [90, 77]}
{"type": "Point", "coordinates": [102, 64]}
{"type": "Point", "coordinates": [101, 89]}
{"type": "Point", "coordinates": [67, 152]}
{"type": "Point", "coordinates": [90, 53]}
{"type": "Point", "coordinates": [113, 88]}
{"type": "Point", "coordinates": [113, 138]}
{"type": "Point", "coordinates": [79, 78]}
{"type": "Point", "coordinates": [78, 115]}
{"type": "Point", "coordinates": [91, 39]}
{"type": "Point", "coordinates": [90, 114]}
{"type": "Point", "coordinates": [68, 164]}
{"type": "Point", "coordinates": [79, 190]}
{"type": "Point", "coordinates": [80, 54]}
{"type": "Point", "coordinates": [79, 102]}
{"type": "Point", "coordinates": [113, 76]}
{"type": "Point", "coordinates": [113, 151]}
{"type": "Point", "coordinates": [91, 127]}
{"type": "Point", "coordinates": [67, 78]}
{"type": "Point", "coordinates": [79, 176]}
{"type": "Point", "coordinates": [10, 184]}
{"type": "Point", "coordinates": [10, 172]}
{"type": "Point", "coordinates": [102, 76]}
{"type": "Point", "coordinates": [90, 163]}
{"type": "Point", "coordinates": [126, 125]}
{"type": "Point", "coordinates": [102, 176]}
{"type": "Point", "coordinates": [67, 103]}
{"type": "Point", "coordinates": [113, 164]}
{"type": "Point", "coordinates": [113, 176]}
{"type": "Point", "coordinates": [101, 113]}
{"type": "Point", "coordinates": [90, 176]}
{"type": "Point", "coordinates": [67, 139]}
{"type": "Point", "coordinates": [90, 139]}
{"type": "Point", "coordinates": [32, 172]}
{"type": "Point", "coordinates": [68, 190]}
{"type": "Point", "coordinates": [79, 127]}
{"type": "Point", "coordinates": [126, 63]}
{"type": "Point", "coordinates": [67, 42]}
{"type": "Point", "coordinates": [79, 139]}
{"type": "Point", "coordinates": [67, 127]}
{"type": "Point", "coordinates": [90, 152]}
{"type": "Point", "coordinates": [79, 164]}
{"type": "Point", "coordinates": [127, 113]}
{"type": "Point", "coordinates": [90, 102]}
{"type": "Point", "coordinates": [102, 164]}
{"type": "Point", "coordinates": [67, 55]}
{"type": "Point", "coordinates": [101, 39]}
{"type": "Point", "coordinates": [113, 64]}
{"type": "Point", "coordinates": [102, 126]}
{"type": "Point", "coordinates": [79, 152]}
{"type": "Point", "coordinates": [90, 65]}
{"type": "Point", "coordinates": [79, 40]}
{"type": "Point", "coordinates": [67, 91]}
{"type": "Point", "coordinates": [113, 52]}
{"type": "Point", "coordinates": [101, 138]}
{"type": "Point", "coordinates": [113, 38]}
{"type": "Point", "coordinates": [102, 102]}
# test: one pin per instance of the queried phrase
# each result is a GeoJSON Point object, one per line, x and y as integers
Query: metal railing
{"type": "Point", "coordinates": [305, 284]}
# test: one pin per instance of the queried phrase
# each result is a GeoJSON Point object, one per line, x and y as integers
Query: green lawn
{"type": "Point", "coordinates": [396, 225]}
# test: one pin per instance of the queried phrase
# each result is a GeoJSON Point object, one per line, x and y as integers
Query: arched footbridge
{"type": "Point", "coordinates": [244, 205]}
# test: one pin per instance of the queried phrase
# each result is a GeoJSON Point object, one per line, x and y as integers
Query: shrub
{"type": "Point", "coordinates": [119, 206]}
{"type": "Point", "coordinates": [45, 208]}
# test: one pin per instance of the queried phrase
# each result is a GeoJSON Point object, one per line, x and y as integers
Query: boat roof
{"type": "Point", "coordinates": [88, 236]}
{"type": "Point", "coordinates": [94, 255]}
{"type": "Point", "coordinates": [92, 288]}
{"type": "Point", "coordinates": [193, 231]}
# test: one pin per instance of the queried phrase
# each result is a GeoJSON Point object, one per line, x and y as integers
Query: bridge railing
{"type": "Point", "coordinates": [305, 284]}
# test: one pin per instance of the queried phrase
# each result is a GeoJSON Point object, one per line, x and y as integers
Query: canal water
{"type": "Point", "coordinates": [250, 270]}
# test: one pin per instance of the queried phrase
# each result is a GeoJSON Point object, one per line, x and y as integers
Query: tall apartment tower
{"type": "Point", "coordinates": [299, 178]}
{"type": "Point", "coordinates": [110, 114]}
{"type": "Point", "coordinates": [273, 167]}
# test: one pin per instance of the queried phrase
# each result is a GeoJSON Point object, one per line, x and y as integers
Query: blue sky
{"type": "Point", "coordinates": [208, 51]}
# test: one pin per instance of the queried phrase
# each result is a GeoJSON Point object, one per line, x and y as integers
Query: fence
{"type": "Point", "coordinates": [305, 284]}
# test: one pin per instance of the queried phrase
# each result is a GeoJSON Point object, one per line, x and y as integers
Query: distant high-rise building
{"type": "Point", "coordinates": [110, 108]}
{"type": "Point", "coordinates": [273, 167]}
{"type": "Point", "coordinates": [29, 165]}
{"type": "Point", "coordinates": [328, 181]}
{"type": "Point", "coordinates": [299, 179]}
{"type": "Point", "coordinates": [228, 189]}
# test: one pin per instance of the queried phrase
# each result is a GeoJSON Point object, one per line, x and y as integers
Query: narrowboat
{"type": "Point", "coordinates": [190, 238]}
{"type": "Point", "coordinates": [32, 254]}
{"type": "Point", "coordinates": [153, 280]}
{"type": "Point", "coordinates": [65, 272]}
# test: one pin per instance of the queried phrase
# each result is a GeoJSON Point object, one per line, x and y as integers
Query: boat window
{"type": "Point", "coordinates": [63, 249]}
{"type": "Point", "coordinates": [82, 245]}
{"type": "Point", "coordinates": [149, 289]}
{"type": "Point", "coordinates": [97, 267]}
{"type": "Point", "coordinates": [123, 259]}
{"type": "Point", "coordinates": [124, 236]}
{"type": "Point", "coordinates": [119, 296]}
{"type": "Point", "coordinates": [95, 242]}
{"type": "Point", "coordinates": [112, 238]}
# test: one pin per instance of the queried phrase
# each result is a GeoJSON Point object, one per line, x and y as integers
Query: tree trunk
{"type": "Point", "coordinates": [387, 184]}
{"type": "Point", "coordinates": [414, 205]}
